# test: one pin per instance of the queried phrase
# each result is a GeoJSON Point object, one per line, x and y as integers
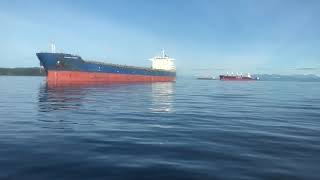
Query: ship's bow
{"type": "Point", "coordinates": [48, 60]}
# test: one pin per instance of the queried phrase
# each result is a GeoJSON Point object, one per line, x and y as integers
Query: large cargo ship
{"type": "Point", "coordinates": [232, 77]}
{"type": "Point", "coordinates": [62, 67]}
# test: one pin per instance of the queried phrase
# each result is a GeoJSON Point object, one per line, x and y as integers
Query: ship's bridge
{"type": "Point", "coordinates": [163, 62]}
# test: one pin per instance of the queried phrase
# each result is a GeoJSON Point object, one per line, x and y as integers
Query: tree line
{"type": "Point", "coordinates": [29, 71]}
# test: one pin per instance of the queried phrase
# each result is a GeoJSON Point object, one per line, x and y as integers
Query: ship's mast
{"type": "Point", "coordinates": [53, 47]}
{"type": "Point", "coordinates": [163, 54]}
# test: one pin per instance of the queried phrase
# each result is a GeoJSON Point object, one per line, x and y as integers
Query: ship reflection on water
{"type": "Point", "coordinates": [162, 97]}
{"type": "Point", "coordinates": [53, 98]}
{"type": "Point", "coordinates": [153, 97]}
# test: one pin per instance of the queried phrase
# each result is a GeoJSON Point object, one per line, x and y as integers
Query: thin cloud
{"type": "Point", "coordinates": [208, 69]}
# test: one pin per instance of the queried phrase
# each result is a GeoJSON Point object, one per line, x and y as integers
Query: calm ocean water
{"type": "Point", "coordinates": [185, 130]}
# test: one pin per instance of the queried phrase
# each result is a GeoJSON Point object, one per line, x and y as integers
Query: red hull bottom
{"type": "Point", "coordinates": [92, 77]}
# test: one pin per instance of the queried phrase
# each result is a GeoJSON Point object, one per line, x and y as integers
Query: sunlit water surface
{"type": "Point", "coordinates": [185, 130]}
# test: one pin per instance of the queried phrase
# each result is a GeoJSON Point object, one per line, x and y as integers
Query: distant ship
{"type": "Point", "coordinates": [237, 78]}
{"type": "Point", "coordinates": [206, 78]}
{"type": "Point", "coordinates": [62, 67]}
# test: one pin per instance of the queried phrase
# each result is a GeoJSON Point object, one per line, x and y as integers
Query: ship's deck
{"type": "Point", "coordinates": [124, 66]}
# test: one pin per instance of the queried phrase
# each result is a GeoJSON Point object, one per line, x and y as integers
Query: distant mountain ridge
{"type": "Point", "coordinates": [296, 77]}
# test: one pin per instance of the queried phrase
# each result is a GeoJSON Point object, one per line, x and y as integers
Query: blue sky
{"type": "Point", "coordinates": [204, 36]}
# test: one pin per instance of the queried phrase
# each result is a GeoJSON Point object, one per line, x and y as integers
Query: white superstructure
{"type": "Point", "coordinates": [163, 62]}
